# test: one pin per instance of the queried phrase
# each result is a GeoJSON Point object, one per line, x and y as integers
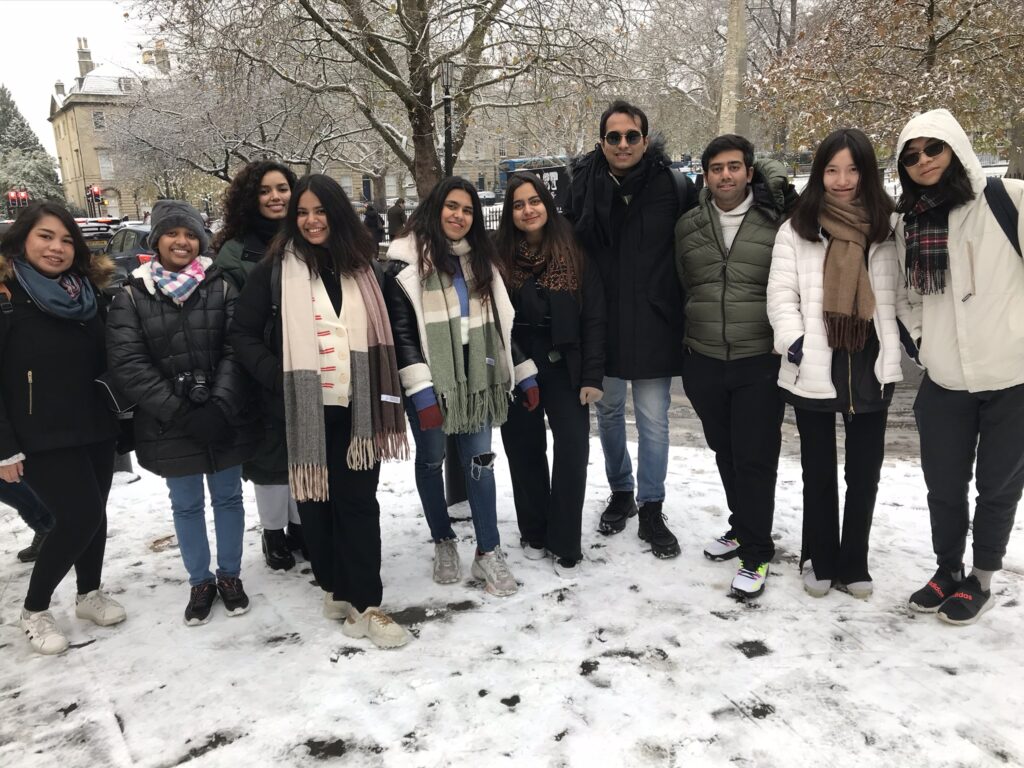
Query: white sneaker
{"type": "Point", "coordinates": [42, 632]}
{"type": "Point", "coordinates": [862, 590]}
{"type": "Point", "coordinates": [749, 582]}
{"type": "Point", "coordinates": [447, 565]}
{"type": "Point", "coordinates": [722, 548]}
{"type": "Point", "coordinates": [376, 625]}
{"type": "Point", "coordinates": [99, 608]}
{"type": "Point", "coordinates": [492, 568]}
{"type": "Point", "coordinates": [814, 586]}
{"type": "Point", "coordinates": [531, 551]}
{"type": "Point", "coordinates": [567, 569]}
{"type": "Point", "coordinates": [335, 609]}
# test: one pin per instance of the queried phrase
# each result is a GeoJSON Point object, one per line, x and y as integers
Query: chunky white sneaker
{"type": "Point", "coordinates": [99, 608]}
{"type": "Point", "coordinates": [862, 590]}
{"type": "Point", "coordinates": [335, 609]}
{"type": "Point", "coordinates": [42, 632]}
{"type": "Point", "coordinates": [447, 565]}
{"type": "Point", "coordinates": [749, 582]}
{"type": "Point", "coordinates": [722, 548]}
{"type": "Point", "coordinates": [533, 551]}
{"type": "Point", "coordinates": [814, 586]}
{"type": "Point", "coordinates": [492, 568]}
{"type": "Point", "coordinates": [567, 569]}
{"type": "Point", "coordinates": [376, 625]}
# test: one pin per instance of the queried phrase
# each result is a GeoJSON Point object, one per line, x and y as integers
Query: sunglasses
{"type": "Point", "coordinates": [934, 149]}
{"type": "Point", "coordinates": [614, 138]}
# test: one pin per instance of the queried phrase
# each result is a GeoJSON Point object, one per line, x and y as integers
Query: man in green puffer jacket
{"type": "Point", "coordinates": [730, 373]}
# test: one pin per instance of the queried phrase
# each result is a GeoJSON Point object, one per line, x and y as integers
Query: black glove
{"type": "Point", "coordinates": [796, 351]}
{"type": "Point", "coordinates": [206, 424]}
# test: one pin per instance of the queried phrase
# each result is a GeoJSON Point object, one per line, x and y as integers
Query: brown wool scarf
{"type": "Point", "coordinates": [848, 301]}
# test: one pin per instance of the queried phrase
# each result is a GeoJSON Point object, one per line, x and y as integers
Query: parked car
{"type": "Point", "coordinates": [129, 246]}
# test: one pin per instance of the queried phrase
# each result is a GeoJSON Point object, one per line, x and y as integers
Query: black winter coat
{"type": "Point", "coordinates": [48, 395]}
{"type": "Point", "coordinates": [150, 340]}
{"type": "Point", "coordinates": [632, 245]}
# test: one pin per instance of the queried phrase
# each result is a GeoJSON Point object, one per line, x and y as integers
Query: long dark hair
{"type": "Point", "coordinates": [241, 200]}
{"type": "Point", "coordinates": [870, 192]}
{"type": "Point", "coordinates": [349, 246]}
{"type": "Point", "coordinates": [13, 243]}
{"type": "Point", "coordinates": [559, 240]}
{"type": "Point", "coordinates": [954, 184]}
{"type": "Point", "coordinates": [433, 247]}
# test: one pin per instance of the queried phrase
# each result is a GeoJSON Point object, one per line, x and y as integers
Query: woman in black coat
{"type": "Point", "coordinates": [168, 351]}
{"type": "Point", "coordinates": [560, 324]}
{"type": "Point", "coordinates": [56, 432]}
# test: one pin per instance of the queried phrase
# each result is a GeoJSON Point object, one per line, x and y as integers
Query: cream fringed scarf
{"type": "Point", "coordinates": [378, 423]}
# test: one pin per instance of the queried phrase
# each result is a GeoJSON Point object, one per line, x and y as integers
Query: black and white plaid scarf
{"type": "Point", "coordinates": [926, 233]}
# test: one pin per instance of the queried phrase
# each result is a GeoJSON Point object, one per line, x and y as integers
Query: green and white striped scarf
{"type": "Point", "coordinates": [472, 388]}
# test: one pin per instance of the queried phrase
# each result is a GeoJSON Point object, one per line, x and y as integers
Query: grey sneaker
{"type": "Point", "coordinates": [492, 568]}
{"type": "Point", "coordinates": [814, 586]}
{"type": "Point", "coordinates": [447, 565]}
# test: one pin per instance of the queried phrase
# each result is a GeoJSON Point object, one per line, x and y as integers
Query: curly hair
{"type": "Point", "coordinates": [240, 202]}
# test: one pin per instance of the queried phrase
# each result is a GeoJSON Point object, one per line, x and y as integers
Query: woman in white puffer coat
{"type": "Point", "coordinates": [832, 298]}
{"type": "Point", "coordinates": [967, 294]}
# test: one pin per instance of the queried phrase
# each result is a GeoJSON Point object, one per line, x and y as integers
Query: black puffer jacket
{"type": "Point", "coordinates": [632, 245]}
{"type": "Point", "coordinates": [150, 340]}
{"type": "Point", "coordinates": [48, 395]}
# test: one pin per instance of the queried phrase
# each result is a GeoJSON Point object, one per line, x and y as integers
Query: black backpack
{"type": "Point", "coordinates": [1003, 209]}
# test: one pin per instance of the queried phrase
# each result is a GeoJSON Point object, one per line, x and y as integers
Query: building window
{"type": "Point", "coordinates": [125, 84]}
{"type": "Point", "coordinates": [106, 164]}
{"type": "Point", "coordinates": [502, 152]}
{"type": "Point", "coordinates": [99, 122]}
{"type": "Point", "coordinates": [346, 184]}
{"type": "Point", "coordinates": [391, 185]}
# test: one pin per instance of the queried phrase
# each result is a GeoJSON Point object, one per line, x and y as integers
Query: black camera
{"type": "Point", "coordinates": [194, 385]}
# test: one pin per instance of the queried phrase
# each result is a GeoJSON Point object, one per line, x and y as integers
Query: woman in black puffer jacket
{"type": "Point", "coordinates": [168, 352]}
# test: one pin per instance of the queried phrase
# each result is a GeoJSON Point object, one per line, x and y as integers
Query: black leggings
{"type": "Point", "coordinates": [73, 484]}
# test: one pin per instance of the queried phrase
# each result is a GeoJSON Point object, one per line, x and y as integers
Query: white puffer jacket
{"type": "Point", "coordinates": [795, 295]}
{"type": "Point", "coordinates": [972, 335]}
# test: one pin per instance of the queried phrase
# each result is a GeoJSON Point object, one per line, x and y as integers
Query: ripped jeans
{"type": "Point", "coordinates": [478, 465]}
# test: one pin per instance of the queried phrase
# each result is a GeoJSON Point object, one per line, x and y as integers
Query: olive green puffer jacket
{"type": "Point", "coordinates": [725, 305]}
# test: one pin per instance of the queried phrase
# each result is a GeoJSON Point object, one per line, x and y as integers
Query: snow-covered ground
{"type": "Point", "coordinates": [639, 662]}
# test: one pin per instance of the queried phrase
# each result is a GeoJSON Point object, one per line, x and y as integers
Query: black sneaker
{"type": "Point", "coordinates": [199, 603]}
{"type": "Point", "coordinates": [236, 602]}
{"type": "Point", "coordinates": [621, 507]}
{"type": "Point", "coordinates": [967, 603]}
{"type": "Point", "coordinates": [31, 552]}
{"type": "Point", "coordinates": [276, 551]}
{"type": "Point", "coordinates": [653, 530]}
{"type": "Point", "coordinates": [933, 594]}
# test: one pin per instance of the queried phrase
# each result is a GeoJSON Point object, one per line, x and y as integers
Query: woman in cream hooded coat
{"type": "Point", "coordinates": [966, 291]}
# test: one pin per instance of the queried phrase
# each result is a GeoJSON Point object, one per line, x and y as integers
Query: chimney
{"type": "Point", "coordinates": [58, 87]}
{"type": "Point", "coordinates": [162, 58]}
{"type": "Point", "coordinates": [85, 64]}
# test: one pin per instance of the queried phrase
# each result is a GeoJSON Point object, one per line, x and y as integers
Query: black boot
{"type": "Point", "coordinates": [31, 552]}
{"type": "Point", "coordinates": [621, 507]}
{"type": "Point", "coordinates": [296, 541]}
{"type": "Point", "coordinates": [275, 550]}
{"type": "Point", "coordinates": [653, 530]}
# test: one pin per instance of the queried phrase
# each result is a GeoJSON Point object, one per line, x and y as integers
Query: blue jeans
{"type": "Point", "coordinates": [651, 398]}
{"type": "Point", "coordinates": [27, 504]}
{"type": "Point", "coordinates": [189, 505]}
{"type": "Point", "coordinates": [478, 465]}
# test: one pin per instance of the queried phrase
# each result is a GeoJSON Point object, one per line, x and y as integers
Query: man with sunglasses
{"type": "Point", "coordinates": [730, 371]}
{"type": "Point", "coordinates": [624, 200]}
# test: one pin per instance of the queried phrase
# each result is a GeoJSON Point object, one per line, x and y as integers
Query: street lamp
{"type": "Point", "coordinates": [447, 80]}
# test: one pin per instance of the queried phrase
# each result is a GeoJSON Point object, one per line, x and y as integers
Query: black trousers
{"type": "Point", "coordinates": [73, 484]}
{"type": "Point", "coordinates": [843, 559]}
{"type": "Point", "coordinates": [343, 534]}
{"type": "Point", "coordinates": [549, 507]}
{"type": "Point", "coordinates": [955, 427]}
{"type": "Point", "coordinates": [741, 408]}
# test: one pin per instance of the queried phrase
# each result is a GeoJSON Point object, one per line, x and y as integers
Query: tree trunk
{"type": "Point", "coordinates": [731, 116]}
{"type": "Point", "coordinates": [1016, 153]}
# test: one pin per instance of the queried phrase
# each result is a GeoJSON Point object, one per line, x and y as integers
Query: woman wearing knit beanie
{"type": "Point", "coordinates": [312, 328]}
{"type": "Point", "coordinates": [453, 331]}
{"type": "Point", "coordinates": [56, 433]}
{"type": "Point", "coordinates": [168, 351]}
{"type": "Point", "coordinates": [255, 206]}
{"type": "Point", "coordinates": [832, 300]}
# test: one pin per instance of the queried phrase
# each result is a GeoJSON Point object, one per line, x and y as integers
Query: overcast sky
{"type": "Point", "coordinates": [38, 43]}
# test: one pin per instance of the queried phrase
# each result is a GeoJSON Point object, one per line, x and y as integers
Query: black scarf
{"type": "Point", "coordinates": [264, 229]}
{"type": "Point", "coordinates": [602, 194]}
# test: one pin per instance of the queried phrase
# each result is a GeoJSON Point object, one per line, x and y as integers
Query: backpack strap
{"type": "Point", "coordinates": [686, 196]}
{"type": "Point", "coordinates": [275, 302]}
{"type": "Point", "coordinates": [6, 307]}
{"type": "Point", "coordinates": [1003, 209]}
